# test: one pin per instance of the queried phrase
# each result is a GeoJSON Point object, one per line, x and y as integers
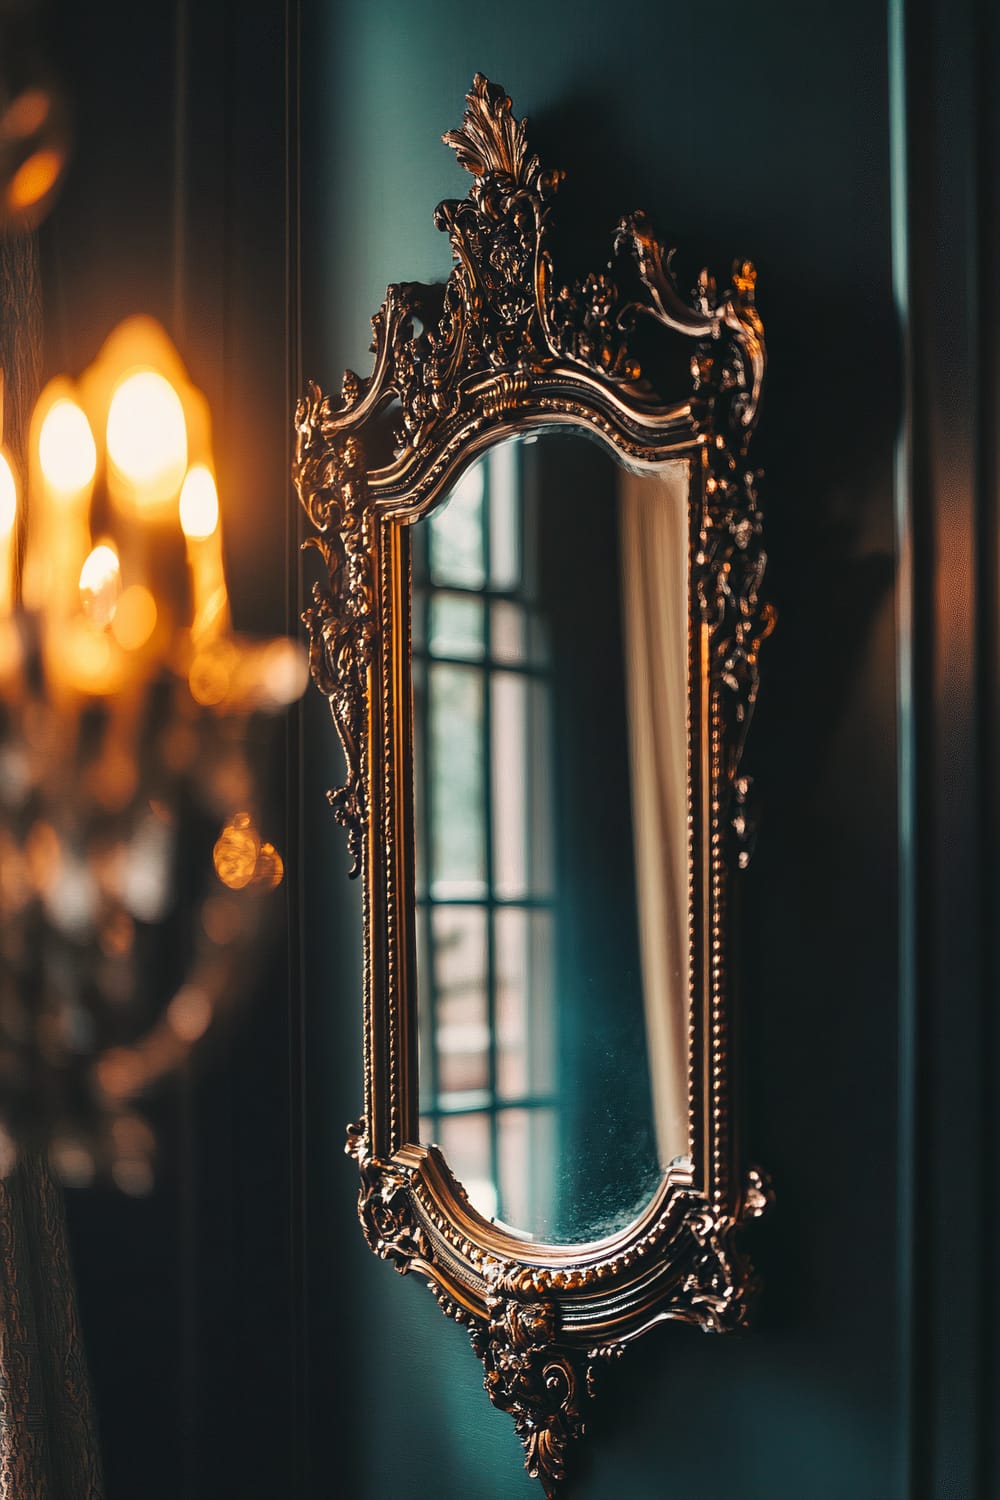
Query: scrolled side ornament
{"type": "Point", "coordinates": [330, 480]}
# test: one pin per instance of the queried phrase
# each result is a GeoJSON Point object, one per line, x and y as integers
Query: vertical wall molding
{"type": "Point", "coordinates": [988, 167]}
{"type": "Point", "coordinates": [908, 1007]}
{"type": "Point", "coordinates": [947, 659]}
{"type": "Point", "coordinates": [295, 819]}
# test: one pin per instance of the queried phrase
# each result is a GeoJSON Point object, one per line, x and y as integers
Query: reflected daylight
{"type": "Point", "coordinates": [550, 649]}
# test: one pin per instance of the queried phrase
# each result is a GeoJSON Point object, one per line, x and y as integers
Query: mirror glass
{"type": "Point", "coordinates": [550, 652]}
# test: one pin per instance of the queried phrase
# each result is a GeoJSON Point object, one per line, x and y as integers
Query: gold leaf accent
{"type": "Point", "coordinates": [489, 139]}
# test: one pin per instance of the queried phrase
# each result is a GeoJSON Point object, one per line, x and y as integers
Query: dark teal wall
{"type": "Point", "coordinates": [767, 134]}
{"type": "Point", "coordinates": [245, 1344]}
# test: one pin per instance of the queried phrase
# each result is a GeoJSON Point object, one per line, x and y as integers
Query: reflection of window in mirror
{"type": "Point", "coordinates": [549, 662]}
{"type": "Point", "coordinates": [609, 1163]}
{"type": "Point", "coordinates": [482, 765]}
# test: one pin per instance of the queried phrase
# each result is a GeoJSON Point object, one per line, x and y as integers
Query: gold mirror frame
{"type": "Point", "coordinates": [497, 353]}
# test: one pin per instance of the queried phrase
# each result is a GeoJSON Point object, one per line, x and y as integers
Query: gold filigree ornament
{"type": "Point", "coordinates": [503, 349]}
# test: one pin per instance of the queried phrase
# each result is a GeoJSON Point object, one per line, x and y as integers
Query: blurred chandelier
{"type": "Point", "coordinates": [131, 866]}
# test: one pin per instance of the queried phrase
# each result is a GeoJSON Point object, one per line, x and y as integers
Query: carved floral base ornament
{"type": "Point", "coordinates": [502, 350]}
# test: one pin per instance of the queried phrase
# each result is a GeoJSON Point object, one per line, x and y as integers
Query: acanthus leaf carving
{"type": "Point", "coordinates": [490, 141]}
{"type": "Point", "coordinates": [589, 325]}
{"type": "Point", "coordinates": [718, 1285]}
{"type": "Point", "coordinates": [730, 356]}
{"type": "Point", "coordinates": [385, 1206]}
{"type": "Point", "coordinates": [497, 236]}
{"type": "Point", "coordinates": [543, 1386]}
{"type": "Point", "coordinates": [729, 569]}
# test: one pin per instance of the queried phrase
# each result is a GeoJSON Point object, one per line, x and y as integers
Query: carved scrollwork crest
{"type": "Point", "coordinates": [497, 232]}
{"type": "Point", "coordinates": [500, 335]}
{"type": "Point", "coordinates": [500, 312]}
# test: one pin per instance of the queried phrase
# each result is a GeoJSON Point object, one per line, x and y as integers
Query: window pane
{"type": "Point", "coordinates": [418, 615]}
{"type": "Point", "coordinates": [456, 626]}
{"type": "Point", "coordinates": [462, 1032]}
{"type": "Point", "coordinates": [521, 788]}
{"type": "Point", "coordinates": [458, 854]}
{"type": "Point", "coordinates": [419, 773]}
{"type": "Point", "coordinates": [426, 1053]}
{"type": "Point", "coordinates": [517, 634]}
{"type": "Point", "coordinates": [456, 534]}
{"type": "Point", "coordinates": [525, 1025]}
{"type": "Point", "coordinates": [510, 791]}
{"type": "Point", "coordinates": [465, 1141]}
{"type": "Point", "coordinates": [527, 1156]}
{"type": "Point", "coordinates": [504, 521]}
{"type": "Point", "coordinates": [507, 631]}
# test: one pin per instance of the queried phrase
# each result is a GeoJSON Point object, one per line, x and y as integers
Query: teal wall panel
{"type": "Point", "coordinates": [766, 136]}
{"type": "Point", "coordinates": [245, 1344]}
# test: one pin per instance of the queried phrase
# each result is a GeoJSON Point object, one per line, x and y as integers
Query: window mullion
{"type": "Point", "coordinates": [488, 836]}
{"type": "Point", "coordinates": [425, 908]}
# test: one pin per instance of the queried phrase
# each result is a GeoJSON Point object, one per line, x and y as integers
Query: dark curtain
{"type": "Point", "coordinates": [48, 1448]}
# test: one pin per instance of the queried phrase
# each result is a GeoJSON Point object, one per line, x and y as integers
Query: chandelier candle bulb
{"type": "Point", "coordinates": [147, 445]}
{"type": "Point", "coordinates": [65, 455]}
{"type": "Point", "coordinates": [8, 519]}
{"type": "Point", "coordinates": [84, 654]}
{"type": "Point", "coordinates": [101, 584]}
{"type": "Point", "coordinates": [200, 523]}
{"type": "Point", "coordinates": [10, 639]}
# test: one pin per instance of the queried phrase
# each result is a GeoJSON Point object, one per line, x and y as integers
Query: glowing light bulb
{"type": "Point", "coordinates": [199, 503]}
{"type": "Point", "coordinates": [66, 449]}
{"type": "Point", "coordinates": [269, 870]}
{"type": "Point", "coordinates": [8, 515]}
{"type": "Point", "coordinates": [147, 437]}
{"type": "Point", "coordinates": [100, 584]}
{"type": "Point", "coordinates": [283, 672]}
{"type": "Point", "coordinates": [34, 179]}
{"type": "Point", "coordinates": [200, 523]}
{"type": "Point", "coordinates": [189, 1013]}
{"type": "Point", "coordinates": [135, 618]}
{"type": "Point", "coordinates": [236, 851]}
{"type": "Point", "coordinates": [8, 497]}
{"type": "Point", "coordinates": [26, 115]}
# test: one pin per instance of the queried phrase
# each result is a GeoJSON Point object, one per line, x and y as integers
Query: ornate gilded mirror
{"type": "Point", "coordinates": [538, 633]}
